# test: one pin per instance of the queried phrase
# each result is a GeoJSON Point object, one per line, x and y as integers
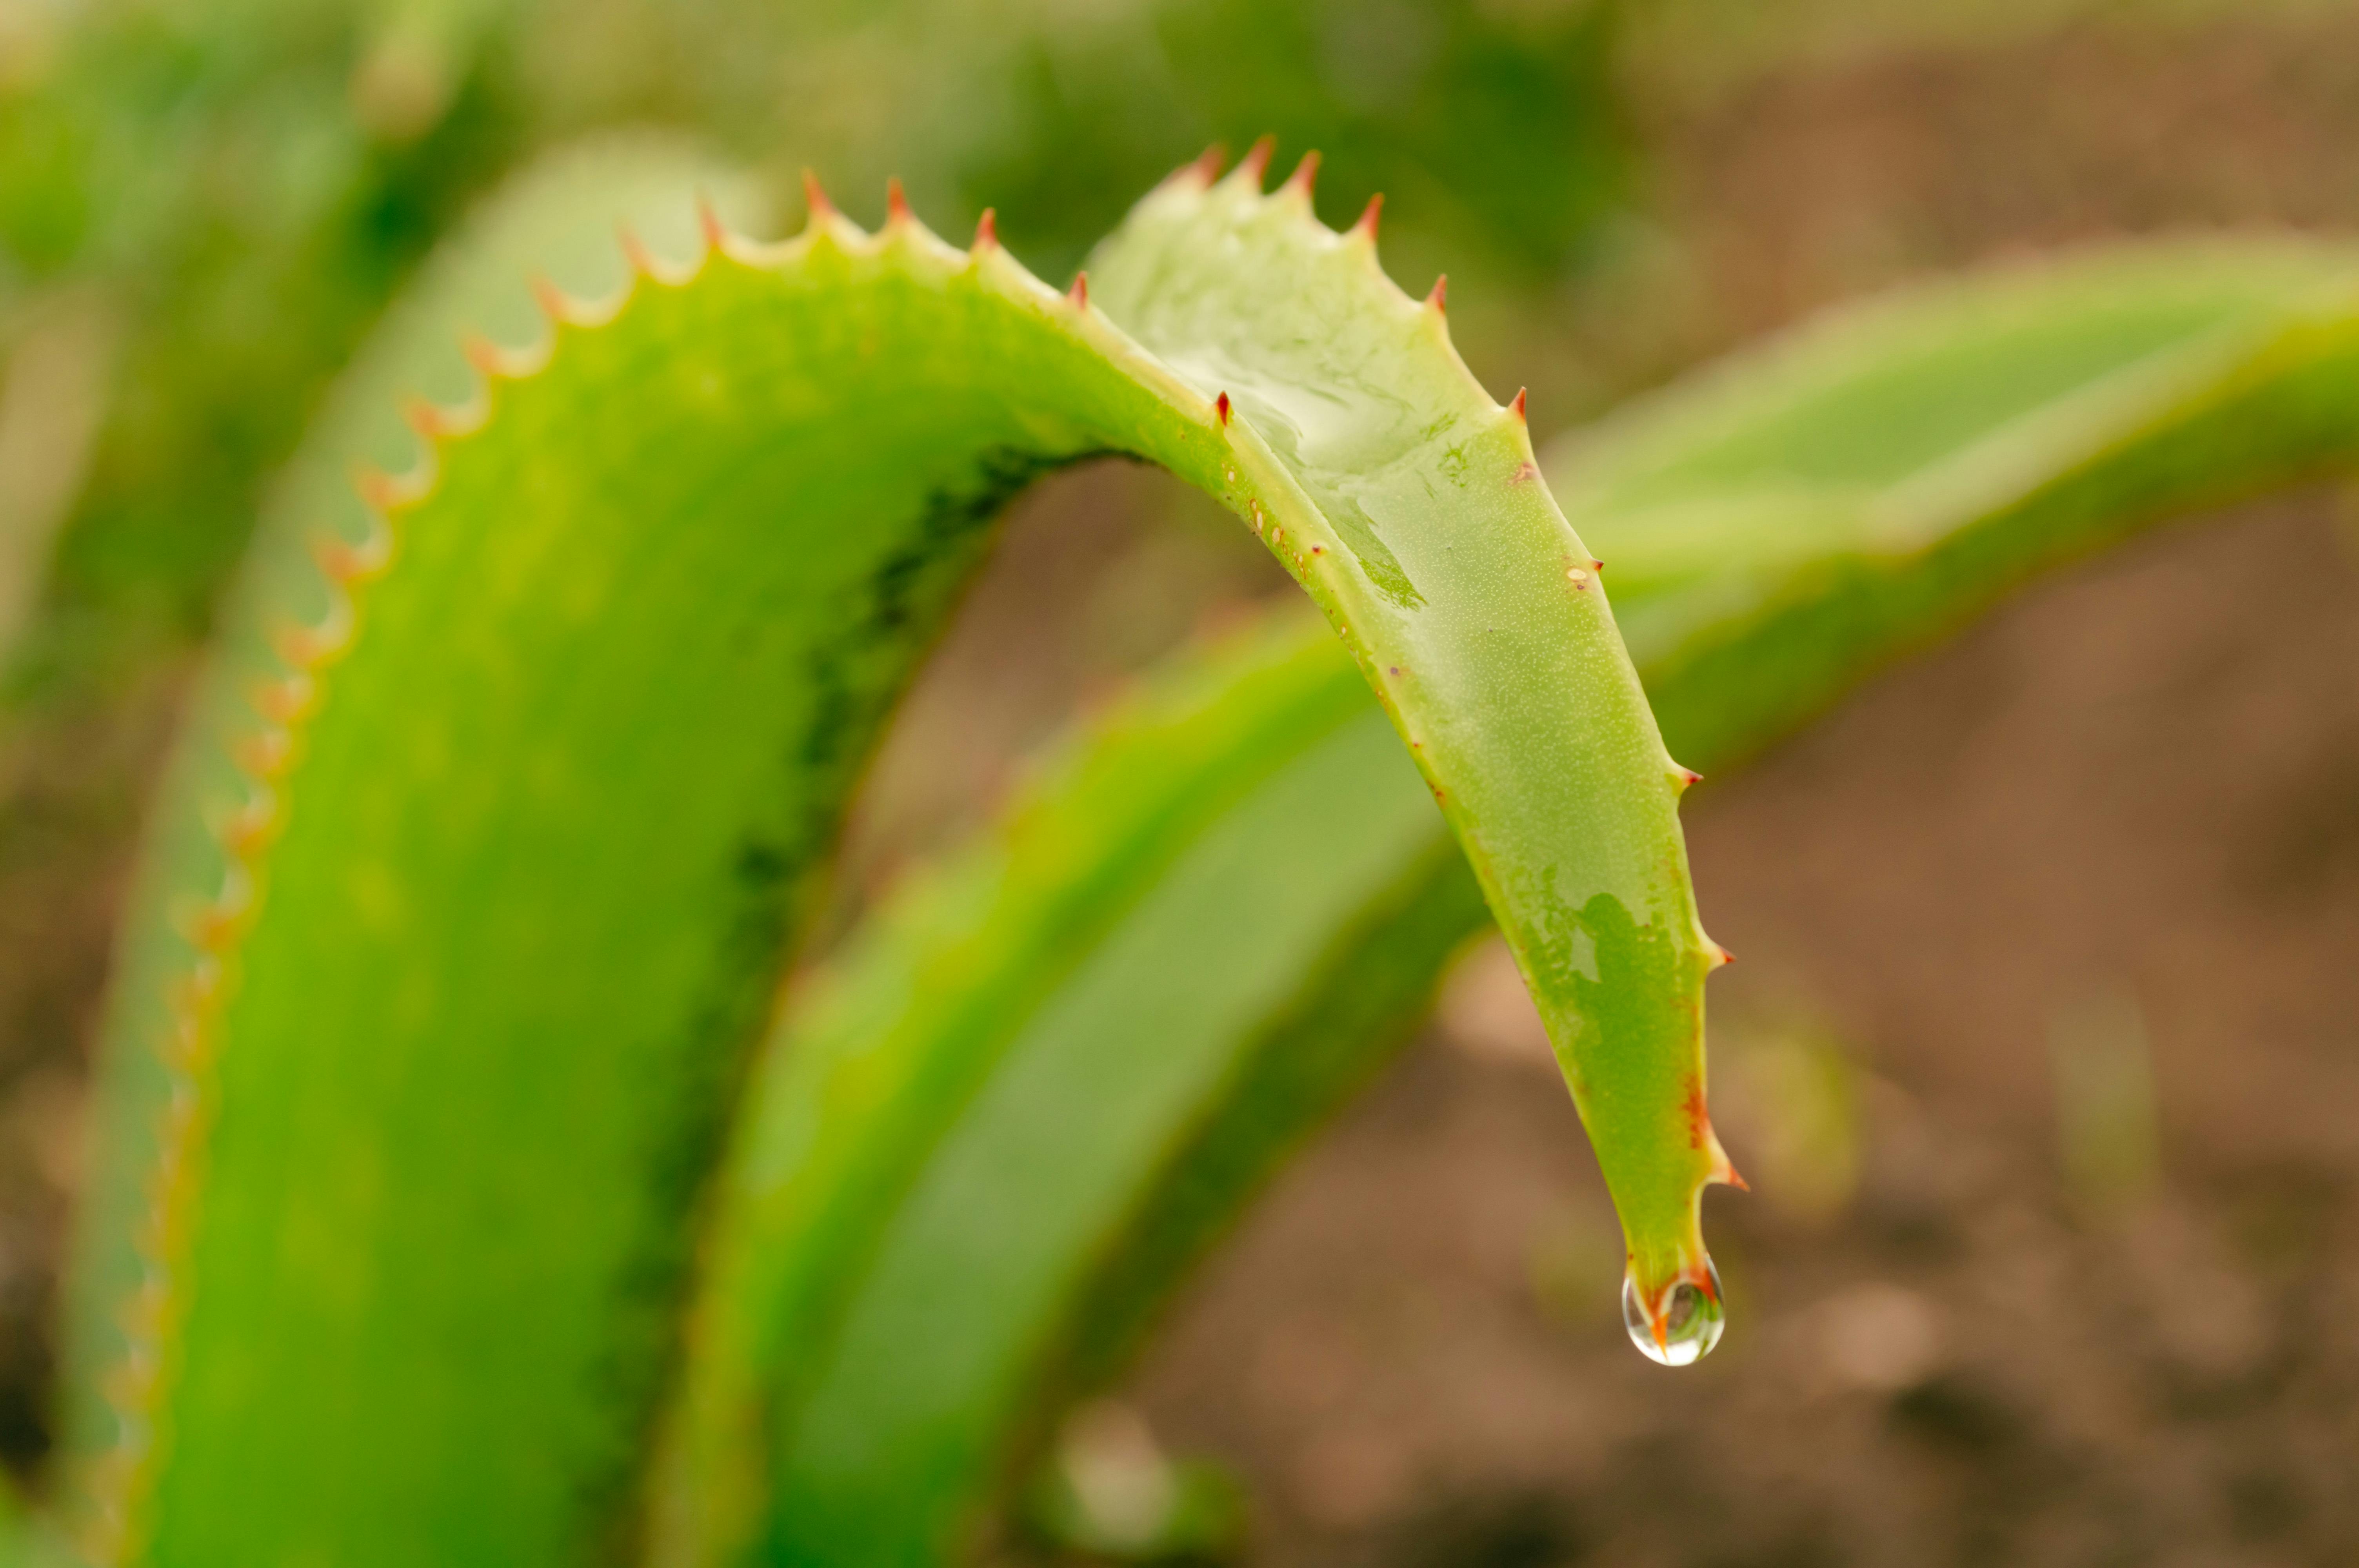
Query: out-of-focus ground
{"type": "Point", "coordinates": [2040, 1053]}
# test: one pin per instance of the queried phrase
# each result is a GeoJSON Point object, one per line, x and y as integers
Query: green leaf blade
{"type": "Point", "coordinates": [500, 818]}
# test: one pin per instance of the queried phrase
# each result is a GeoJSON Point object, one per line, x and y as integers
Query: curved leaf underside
{"type": "Point", "coordinates": [921, 1251]}
{"type": "Point", "coordinates": [501, 811]}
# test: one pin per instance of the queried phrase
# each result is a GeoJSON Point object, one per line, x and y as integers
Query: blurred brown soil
{"type": "Point", "coordinates": [2132, 795]}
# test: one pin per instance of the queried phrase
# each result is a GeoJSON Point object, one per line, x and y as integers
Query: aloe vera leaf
{"type": "Point", "coordinates": [996, 1211]}
{"type": "Point", "coordinates": [516, 797]}
{"type": "Point", "coordinates": [973, 970]}
{"type": "Point", "coordinates": [2098, 394]}
{"type": "Point", "coordinates": [2113, 390]}
{"type": "Point", "coordinates": [872, 1082]}
{"type": "Point", "coordinates": [555, 221]}
{"type": "Point", "coordinates": [1300, 915]}
{"type": "Point", "coordinates": [1599, 913]}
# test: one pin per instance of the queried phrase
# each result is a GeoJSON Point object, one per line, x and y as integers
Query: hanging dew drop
{"type": "Point", "coordinates": [1687, 1324]}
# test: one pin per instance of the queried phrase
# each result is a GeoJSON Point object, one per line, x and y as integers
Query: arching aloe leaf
{"type": "Point", "coordinates": [497, 819]}
{"type": "Point", "coordinates": [1864, 484]}
{"type": "Point", "coordinates": [873, 1355]}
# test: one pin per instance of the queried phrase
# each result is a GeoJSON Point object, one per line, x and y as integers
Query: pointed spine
{"type": "Point", "coordinates": [345, 563]}
{"type": "Point", "coordinates": [1370, 215]}
{"type": "Point", "coordinates": [556, 304]}
{"type": "Point", "coordinates": [1305, 176]}
{"type": "Point", "coordinates": [1255, 163]}
{"type": "Point", "coordinates": [635, 252]}
{"type": "Point", "coordinates": [496, 364]}
{"type": "Point", "coordinates": [1079, 295]}
{"type": "Point", "coordinates": [709, 226]}
{"type": "Point", "coordinates": [1204, 169]}
{"type": "Point", "coordinates": [1437, 298]}
{"type": "Point", "coordinates": [986, 233]}
{"type": "Point", "coordinates": [819, 209]}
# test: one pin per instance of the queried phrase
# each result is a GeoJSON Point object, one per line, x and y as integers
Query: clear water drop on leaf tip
{"type": "Point", "coordinates": [1692, 1318]}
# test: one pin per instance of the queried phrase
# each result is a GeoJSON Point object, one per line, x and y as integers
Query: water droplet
{"type": "Point", "coordinates": [1693, 1317]}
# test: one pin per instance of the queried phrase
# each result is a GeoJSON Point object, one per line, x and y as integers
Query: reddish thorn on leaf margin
{"type": "Point", "coordinates": [551, 298]}
{"type": "Point", "coordinates": [1438, 296]}
{"type": "Point", "coordinates": [1368, 216]}
{"type": "Point", "coordinates": [896, 201]}
{"type": "Point", "coordinates": [1304, 175]}
{"type": "Point", "coordinates": [484, 354]}
{"type": "Point", "coordinates": [1256, 162]}
{"type": "Point", "coordinates": [815, 198]}
{"type": "Point", "coordinates": [709, 223]}
{"type": "Point", "coordinates": [425, 418]}
{"type": "Point", "coordinates": [1598, 566]}
{"type": "Point", "coordinates": [1517, 407]}
{"type": "Point", "coordinates": [1728, 1175]}
{"type": "Point", "coordinates": [1726, 955]}
{"type": "Point", "coordinates": [987, 230]}
{"type": "Point", "coordinates": [1221, 408]}
{"type": "Point", "coordinates": [378, 488]}
{"type": "Point", "coordinates": [1207, 167]}
{"type": "Point", "coordinates": [1690, 776]}
{"type": "Point", "coordinates": [1080, 293]}
{"type": "Point", "coordinates": [635, 251]}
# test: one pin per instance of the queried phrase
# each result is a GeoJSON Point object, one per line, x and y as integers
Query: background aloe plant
{"type": "Point", "coordinates": [1771, 536]}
